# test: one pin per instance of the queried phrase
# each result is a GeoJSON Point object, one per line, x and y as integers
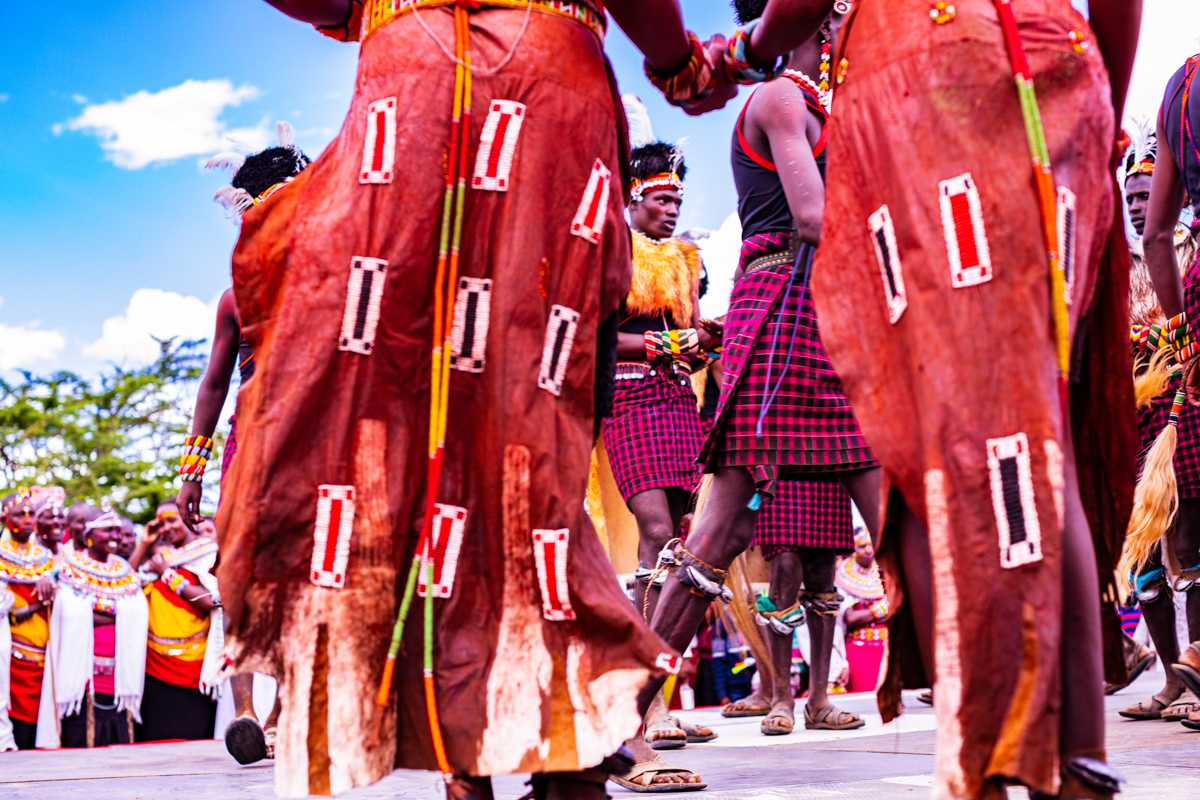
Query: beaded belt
{"type": "Point", "coordinates": [104, 666]}
{"type": "Point", "coordinates": [637, 370]}
{"type": "Point", "coordinates": [380, 12]}
{"type": "Point", "coordinates": [772, 260]}
{"type": "Point", "coordinates": [871, 634]}
{"type": "Point", "coordinates": [29, 652]}
{"type": "Point", "coordinates": [164, 641]}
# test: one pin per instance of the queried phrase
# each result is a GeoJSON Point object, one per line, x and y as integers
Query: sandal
{"type": "Point", "coordinates": [658, 736]}
{"type": "Point", "coordinates": [641, 777]}
{"type": "Point", "coordinates": [752, 706]}
{"type": "Point", "coordinates": [830, 718]}
{"type": "Point", "coordinates": [1147, 709]}
{"type": "Point", "coordinates": [245, 741]}
{"type": "Point", "coordinates": [695, 733]}
{"type": "Point", "coordinates": [269, 740]}
{"type": "Point", "coordinates": [926, 697]}
{"type": "Point", "coordinates": [1181, 708]}
{"type": "Point", "coordinates": [1188, 667]}
{"type": "Point", "coordinates": [779, 722]}
{"type": "Point", "coordinates": [1192, 721]}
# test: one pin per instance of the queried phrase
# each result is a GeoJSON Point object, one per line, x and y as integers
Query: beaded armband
{"type": "Point", "coordinates": [176, 581]}
{"type": "Point", "coordinates": [737, 62]}
{"type": "Point", "coordinates": [679, 345]}
{"type": "Point", "coordinates": [1146, 337]}
{"type": "Point", "coordinates": [1179, 334]}
{"type": "Point", "coordinates": [692, 84]}
{"type": "Point", "coordinates": [879, 609]}
{"type": "Point", "coordinates": [197, 450]}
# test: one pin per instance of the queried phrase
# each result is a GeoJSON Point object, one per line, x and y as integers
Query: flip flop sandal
{"type": "Point", "coordinates": [245, 741]}
{"type": "Point", "coordinates": [827, 719]}
{"type": "Point", "coordinates": [639, 778]}
{"type": "Point", "coordinates": [1142, 665]}
{"type": "Point", "coordinates": [779, 722]}
{"type": "Point", "coordinates": [694, 735]}
{"type": "Point", "coordinates": [742, 708]}
{"type": "Point", "coordinates": [269, 738]}
{"type": "Point", "coordinates": [926, 697]}
{"type": "Point", "coordinates": [1141, 711]}
{"type": "Point", "coordinates": [666, 725]}
{"type": "Point", "coordinates": [1181, 708]}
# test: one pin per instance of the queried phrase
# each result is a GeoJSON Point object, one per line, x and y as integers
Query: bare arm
{"type": "Point", "coordinates": [315, 12]}
{"type": "Point", "coordinates": [1166, 200]}
{"type": "Point", "coordinates": [214, 388]}
{"type": "Point", "coordinates": [1117, 24]}
{"type": "Point", "coordinates": [779, 112]}
{"type": "Point", "coordinates": [786, 24]}
{"type": "Point", "coordinates": [656, 28]}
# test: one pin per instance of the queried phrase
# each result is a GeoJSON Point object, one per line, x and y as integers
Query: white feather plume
{"type": "Point", "coordinates": [234, 200]}
{"type": "Point", "coordinates": [640, 132]}
{"type": "Point", "coordinates": [228, 160]}
{"type": "Point", "coordinates": [285, 132]}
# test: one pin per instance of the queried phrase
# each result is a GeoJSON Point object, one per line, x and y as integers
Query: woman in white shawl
{"type": "Point", "coordinates": [96, 658]}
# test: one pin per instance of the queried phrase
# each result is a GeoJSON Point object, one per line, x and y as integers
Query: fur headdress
{"type": "Point", "coordinates": [256, 177]}
{"type": "Point", "coordinates": [1143, 151]}
{"type": "Point", "coordinates": [654, 164]}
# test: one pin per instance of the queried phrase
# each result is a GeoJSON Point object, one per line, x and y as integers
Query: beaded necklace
{"type": "Point", "coordinates": [823, 95]}
{"type": "Point", "coordinates": [196, 549]}
{"type": "Point", "coordinates": [113, 578]}
{"type": "Point", "coordinates": [860, 582]}
{"type": "Point", "coordinates": [25, 563]}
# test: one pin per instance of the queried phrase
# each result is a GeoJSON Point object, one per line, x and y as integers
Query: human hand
{"type": "Point", "coordinates": [45, 591]}
{"type": "Point", "coordinates": [188, 503]}
{"type": "Point", "coordinates": [724, 89]}
{"type": "Point", "coordinates": [157, 564]}
{"type": "Point", "coordinates": [715, 330]}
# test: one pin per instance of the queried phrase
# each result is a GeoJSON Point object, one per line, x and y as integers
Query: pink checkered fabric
{"type": "Point", "coordinates": [653, 435]}
{"type": "Point", "coordinates": [809, 427]}
{"type": "Point", "coordinates": [805, 514]}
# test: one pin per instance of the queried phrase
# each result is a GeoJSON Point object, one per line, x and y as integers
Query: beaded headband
{"type": "Point", "coordinates": [662, 180]}
{"type": "Point", "coordinates": [862, 538]}
{"type": "Point", "coordinates": [1145, 167]}
{"type": "Point", "coordinates": [108, 519]}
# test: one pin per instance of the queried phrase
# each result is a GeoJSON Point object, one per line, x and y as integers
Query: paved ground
{"type": "Point", "coordinates": [1161, 760]}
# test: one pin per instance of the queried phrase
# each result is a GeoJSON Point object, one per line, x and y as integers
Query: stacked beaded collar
{"type": "Point", "coordinates": [192, 551]}
{"type": "Point", "coordinates": [865, 584]}
{"type": "Point", "coordinates": [25, 563]}
{"type": "Point", "coordinates": [112, 579]}
{"type": "Point", "coordinates": [663, 180]}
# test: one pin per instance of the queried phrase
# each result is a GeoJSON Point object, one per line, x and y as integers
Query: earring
{"type": "Point", "coordinates": [89, 541]}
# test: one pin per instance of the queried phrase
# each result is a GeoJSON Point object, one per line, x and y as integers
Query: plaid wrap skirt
{"type": "Point", "coordinates": [1153, 418]}
{"type": "Point", "coordinates": [805, 514]}
{"type": "Point", "coordinates": [654, 432]}
{"type": "Point", "coordinates": [772, 346]}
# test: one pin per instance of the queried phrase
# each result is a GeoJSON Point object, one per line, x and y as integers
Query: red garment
{"type": "Point", "coordinates": [104, 646]}
{"type": "Point", "coordinates": [25, 676]}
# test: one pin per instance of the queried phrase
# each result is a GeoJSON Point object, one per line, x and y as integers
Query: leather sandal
{"type": "Point", "coordinates": [831, 718]}
{"type": "Point", "coordinates": [1147, 709]}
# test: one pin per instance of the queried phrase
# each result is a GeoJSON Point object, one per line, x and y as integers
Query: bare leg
{"type": "Point", "coordinates": [722, 532]}
{"type": "Point", "coordinates": [1159, 614]}
{"type": "Point", "coordinates": [818, 578]}
{"type": "Point", "coordinates": [1082, 659]}
{"type": "Point", "coordinates": [243, 696]}
{"type": "Point", "coordinates": [1187, 551]}
{"type": "Point", "coordinates": [786, 572]}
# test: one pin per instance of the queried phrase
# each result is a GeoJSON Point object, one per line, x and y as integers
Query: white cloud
{"type": "Point", "coordinates": [78, 98]}
{"type": "Point", "coordinates": [22, 345]}
{"type": "Point", "coordinates": [720, 252]}
{"type": "Point", "coordinates": [3, 98]}
{"type": "Point", "coordinates": [184, 120]}
{"type": "Point", "coordinates": [151, 314]}
{"type": "Point", "coordinates": [1168, 38]}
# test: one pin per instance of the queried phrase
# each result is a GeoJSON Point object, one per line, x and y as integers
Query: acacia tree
{"type": "Point", "coordinates": [114, 440]}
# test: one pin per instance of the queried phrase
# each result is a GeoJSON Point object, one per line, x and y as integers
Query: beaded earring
{"type": "Point", "coordinates": [826, 60]}
{"type": "Point", "coordinates": [89, 541]}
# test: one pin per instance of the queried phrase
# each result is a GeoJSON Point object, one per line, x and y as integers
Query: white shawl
{"type": "Point", "coordinates": [7, 601]}
{"type": "Point", "coordinates": [69, 658]}
{"type": "Point", "coordinates": [210, 683]}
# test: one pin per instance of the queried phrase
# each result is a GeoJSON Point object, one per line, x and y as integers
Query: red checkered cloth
{"type": "Point", "coordinates": [809, 426]}
{"type": "Point", "coordinates": [805, 514]}
{"type": "Point", "coordinates": [1153, 418]}
{"type": "Point", "coordinates": [654, 432]}
{"type": "Point", "coordinates": [227, 454]}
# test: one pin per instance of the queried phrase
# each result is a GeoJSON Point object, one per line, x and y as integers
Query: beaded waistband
{"type": "Point", "coordinates": [873, 633]}
{"type": "Point", "coordinates": [766, 262]}
{"type": "Point", "coordinates": [380, 12]}
{"type": "Point", "coordinates": [637, 370]}
{"type": "Point", "coordinates": [28, 652]}
{"type": "Point", "coordinates": [164, 641]}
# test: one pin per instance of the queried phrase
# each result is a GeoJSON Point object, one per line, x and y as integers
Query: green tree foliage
{"type": "Point", "coordinates": [114, 440]}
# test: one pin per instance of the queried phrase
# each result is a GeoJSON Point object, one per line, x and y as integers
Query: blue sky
{"type": "Point", "coordinates": [107, 226]}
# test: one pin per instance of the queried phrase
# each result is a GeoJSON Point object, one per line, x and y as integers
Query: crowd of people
{"type": "Point", "coordinates": [930, 319]}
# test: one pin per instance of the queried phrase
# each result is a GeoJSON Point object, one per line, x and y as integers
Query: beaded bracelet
{"type": "Point", "coordinates": [879, 609]}
{"type": "Point", "coordinates": [1146, 337]}
{"type": "Point", "coordinates": [197, 450]}
{"type": "Point", "coordinates": [1179, 334]}
{"type": "Point", "coordinates": [176, 581]}
{"type": "Point", "coordinates": [692, 84]}
{"type": "Point", "coordinates": [679, 344]}
{"type": "Point", "coordinates": [737, 62]}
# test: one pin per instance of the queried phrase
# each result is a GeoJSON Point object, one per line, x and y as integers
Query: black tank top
{"type": "Point", "coordinates": [245, 359]}
{"type": "Point", "coordinates": [1180, 117]}
{"type": "Point", "coordinates": [762, 204]}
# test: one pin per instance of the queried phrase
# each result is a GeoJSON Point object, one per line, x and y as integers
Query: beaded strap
{"type": "Point", "coordinates": [1179, 334]}
{"type": "Point", "coordinates": [197, 450]}
{"type": "Point", "coordinates": [1177, 407]}
{"type": "Point", "coordinates": [692, 84]}
{"type": "Point", "coordinates": [679, 345]}
{"type": "Point", "coordinates": [737, 61]}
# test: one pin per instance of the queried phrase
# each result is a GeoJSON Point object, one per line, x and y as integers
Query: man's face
{"type": "Point", "coordinates": [1137, 197]}
{"type": "Point", "coordinates": [207, 528]}
{"type": "Point", "coordinates": [128, 539]}
{"type": "Point", "coordinates": [656, 213]}
{"type": "Point", "coordinates": [103, 541]}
